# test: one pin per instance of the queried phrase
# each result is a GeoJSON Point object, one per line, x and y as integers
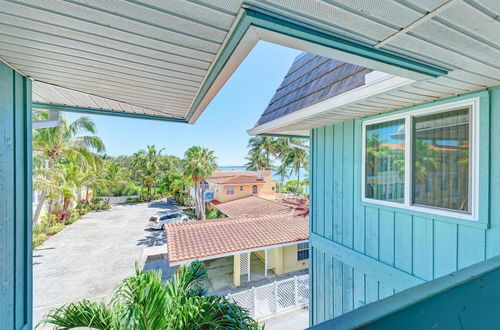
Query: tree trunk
{"type": "Point", "coordinates": [298, 180]}
{"type": "Point", "coordinates": [203, 208]}
{"type": "Point", "coordinates": [87, 195]}
{"type": "Point", "coordinates": [49, 211]}
{"type": "Point", "coordinates": [39, 206]}
{"type": "Point", "coordinates": [196, 201]}
{"type": "Point", "coordinates": [142, 188]}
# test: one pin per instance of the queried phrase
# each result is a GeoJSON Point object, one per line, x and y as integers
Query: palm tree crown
{"type": "Point", "coordinates": [199, 163]}
{"type": "Point", "coordinates": [144, 302]}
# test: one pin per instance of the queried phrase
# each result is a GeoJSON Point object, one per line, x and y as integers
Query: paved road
{"type": "Point", "coordinates": [297, 319]}
{"type": "Point", "coordinates": [88, 258]}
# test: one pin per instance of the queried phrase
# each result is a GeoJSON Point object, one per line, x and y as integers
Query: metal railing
{"type": "Point", "coordinates": [275, 297]}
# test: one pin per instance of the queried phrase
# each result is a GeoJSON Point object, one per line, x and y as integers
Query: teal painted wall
{"type": "Point", "coordinates": [363, 252]}
{"type": "Point", "coordinates": [465, 299]}
{"type": "Point", "coordinates": [15, 200]}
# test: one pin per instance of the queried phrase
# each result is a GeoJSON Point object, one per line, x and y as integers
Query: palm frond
{"type": "Point", "coordinates": [81, 314]}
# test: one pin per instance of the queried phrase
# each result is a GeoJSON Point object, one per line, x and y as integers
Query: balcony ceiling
{"type": "Point", "coordinates": [152, 57]}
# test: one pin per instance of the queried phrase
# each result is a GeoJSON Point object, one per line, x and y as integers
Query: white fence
{"type": "Point", "coordinates": [275, 297]}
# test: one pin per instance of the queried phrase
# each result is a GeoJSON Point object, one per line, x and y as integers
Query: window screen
{"type": "Point", "coordinates": [385, 160]}
{"type": "Point", "coordinates": [441, 160]}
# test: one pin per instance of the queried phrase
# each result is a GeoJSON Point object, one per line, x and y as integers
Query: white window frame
{"type": "Point", "coordinates": [474, 107]}
{"type": "Point", "coordinates": [230, 188]}
{"type": "Point", "coordinates": [299, 249]}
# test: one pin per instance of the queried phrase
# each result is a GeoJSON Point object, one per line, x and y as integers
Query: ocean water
{"type": "Point", "coordinates": [303, 172]}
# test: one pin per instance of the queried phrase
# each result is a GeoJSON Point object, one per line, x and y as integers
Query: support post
{"type": "Point", "coordinates": [15, 201]}
{"type": "Point", "coordinates": [236, 270]}
{"type": "Point", "coordinates": [265, 263]}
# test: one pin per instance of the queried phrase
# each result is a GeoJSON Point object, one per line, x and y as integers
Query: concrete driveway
{"type": "Point", "coordinates": [87, 259]}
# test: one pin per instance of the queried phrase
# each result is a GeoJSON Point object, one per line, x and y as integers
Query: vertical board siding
{"type": "Point", "coordinates": [421, 245]}
{"type": "Point", "coordinates": [15, 200]}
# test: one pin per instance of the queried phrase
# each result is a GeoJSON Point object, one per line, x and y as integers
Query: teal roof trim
{"type": "Point", "coordinates": [285, 135]}
{"type": "Point", "coordinates": [95, 111]}
{"type": "Point", "coordinates": [252, 17]}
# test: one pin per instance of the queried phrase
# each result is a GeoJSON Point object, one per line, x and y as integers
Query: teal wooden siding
{"type": "Point", "coordinates": [472, 291]}
{"type": "Point", "coordinates": [15, 200]}
{"type": "Point", "coordinates": [362, 252]}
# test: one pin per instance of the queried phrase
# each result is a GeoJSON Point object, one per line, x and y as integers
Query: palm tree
{"type": "Point", "coordinates": [138, 161]}
{"type": "Point", "coordinates": [73, 179]}
{"type": "Point", "coordinates": [147, 165]}
{"type": "Point", "coordinates": [47, 180]}
{"type": "Point", "coordinates": [282, 171]}
{"type": "Point", "coordinates": [110, 176]}
{"type": "Point", "coordinates": [144, 302]}
{"type": "Point", "coordinates": [64, 142]}
{"type": "Point", "coordinates": [256, 160]}
{"type": "Point", "coordinates": [295, 159]}
{"type": "Point", "coordinates": [261, 150]}
{"type": "Point", "coordinates": [199, 163]}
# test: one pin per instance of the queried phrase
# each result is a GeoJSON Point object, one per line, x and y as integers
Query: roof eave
{"type": "Point", "coordinates": [232, 253]}
{"type": "Point", "coordinates": [253, 25]}
{"type": "Point", "coordinates": [355, 95]}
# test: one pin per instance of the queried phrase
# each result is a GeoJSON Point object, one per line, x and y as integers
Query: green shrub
{"type": "Point", "coordinates": [38, 229]}
{"type": "Point", "coordinates": [96, 200]}
{"type": "Point", "coordinates": [134, 200]}
{"type": "Point", "coordinates": [83, 211]}
{"type": "Point", "coordinates": [38, 239]}
{"type": "Point", "coordinates": [214, 214]}
{"type": "Point", "coordinates": [190, 214]}
{"type": "Point", "coordinates": [106, 206]}
{"type": "Point", "coordinates": [71, 220]}
{"type": "Point", "coordinates": [54, 229]}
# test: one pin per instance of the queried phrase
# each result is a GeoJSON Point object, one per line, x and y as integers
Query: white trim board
{"type": "Point", "coordinates": [228, 254]}
{"type": "Point", "coordinates": [377, 86]}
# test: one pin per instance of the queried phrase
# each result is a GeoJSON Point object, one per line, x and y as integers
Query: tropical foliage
{"type": "Point", "coordinates": [144, 302]}
{"type": "Point", "coordinates": [54, 149]}
{"type": "Point", "coordinates": [289, 153]}
{"type": "Point", "coordinates": [199, 163]}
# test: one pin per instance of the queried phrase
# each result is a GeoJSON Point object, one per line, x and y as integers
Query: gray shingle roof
{"type": "Point", "coordinates": [312, 79]}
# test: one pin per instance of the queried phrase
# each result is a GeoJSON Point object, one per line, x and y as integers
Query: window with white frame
{"type": "Point", "coordinates": [229, 190]}
{"type": "Point", "coordinates": [255, 190]}
{"type": "Point", "coordinates": [423, 160]}
{"type": "Point", "coordinates": [302, 251]}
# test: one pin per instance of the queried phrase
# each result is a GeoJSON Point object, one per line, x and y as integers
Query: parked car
{"type": "Point", "coordinates": [159, 221]}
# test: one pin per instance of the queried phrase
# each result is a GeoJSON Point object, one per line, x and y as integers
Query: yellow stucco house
{"type": "Point", "coordinates": [231, 185]}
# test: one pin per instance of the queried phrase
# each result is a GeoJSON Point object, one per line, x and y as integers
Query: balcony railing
{"type": "Point", "coordinates": [466, 299]}
{"type": "Point", "coordinates": [275, 297]}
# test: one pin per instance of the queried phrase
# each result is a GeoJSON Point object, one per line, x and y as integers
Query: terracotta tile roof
{"type": "Point", "coordinates": [202, 239]}
{"type": "Point", "coordinates": [253, 206]}
{"type": "Point", "coordinates": [235, 179]}
{"type": "Point", "coordinates": [237, 172]}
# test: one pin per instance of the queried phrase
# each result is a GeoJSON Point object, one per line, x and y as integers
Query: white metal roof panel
{"type": "Point", "coordinates": [152, 56]}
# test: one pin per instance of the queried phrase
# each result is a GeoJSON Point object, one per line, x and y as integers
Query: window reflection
{"type": "Point", "coordinates": [441, 160]}
{"type": "Point", "coordinates": [385, 150]}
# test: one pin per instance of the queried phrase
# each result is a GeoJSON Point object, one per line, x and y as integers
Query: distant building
{"type": "Point", "coordinates": [231, 185]}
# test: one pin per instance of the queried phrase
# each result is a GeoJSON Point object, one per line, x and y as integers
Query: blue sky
{"type": "Point", "coordinates": [222, 127]}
